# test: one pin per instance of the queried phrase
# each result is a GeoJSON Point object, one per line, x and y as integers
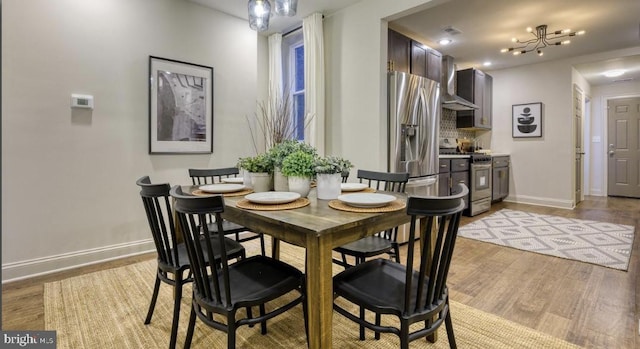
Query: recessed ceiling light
{"type": "Point", "coordinates": [486, 64]}
{"type": "Point", "coordinates": [613, 73]}
{"type": "Point", "coordinates": [445, 41]}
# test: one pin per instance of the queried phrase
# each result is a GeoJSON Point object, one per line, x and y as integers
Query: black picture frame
{"type": "Point", "coordinates": [180, 107]}
{"type": "Point", "coordinates": [526, 120]}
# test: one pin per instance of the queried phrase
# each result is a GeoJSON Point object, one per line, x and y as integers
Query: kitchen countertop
{"type": "Point", "coordinates": [467, 156]}
{"type": "Point", "coordinates": [452, 156]}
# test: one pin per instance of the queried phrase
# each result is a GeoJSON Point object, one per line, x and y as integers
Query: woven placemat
{"type": "Point", "coordinates": [365, 190]}
{"type": "Point", "coordinates": [199, 192]}
{"type": "Point", "coordinates": [246, 204]}
{"type": "Point", "coordinates": [393, 206]}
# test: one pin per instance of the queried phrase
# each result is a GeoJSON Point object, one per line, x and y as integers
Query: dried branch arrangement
{"type": "Point", "coordinates": [276, 122]}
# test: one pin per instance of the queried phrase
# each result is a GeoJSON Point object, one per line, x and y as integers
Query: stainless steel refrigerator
{"type": "Point", "coordinates": [414, 124]}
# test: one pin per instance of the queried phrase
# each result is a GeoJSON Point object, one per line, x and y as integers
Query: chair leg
{"type": "Point", "coordinates": [404, 336]}
{"type": "Point", "coordinates": [378, 320]}
{"type": "Point", "coordinates": [263, 324]}
{"type": "Point", "coordinates": [154, 298]}
{"type": "Point", "coordinates": [190, 328]}
{"type": "Point", "coordinates": [344, 260]}
{"type": "Point", "coordinates": [231, 331]}
{"type": "Point", "coordinates": [176, 310]}
{"type": "Point", "coordinates": [449, 326]}
{"type": "Point", "coordinates": [396, 251]}
{"type": "Point", "coordinates": [361, 326]}
{"type": "Point", "coordinates": [305, 313]}
{"type": "Point", "coordinates": [249, 315]}
{"type": "Point", "coordinates": [432, 337]}
{"type": "Point", "coordinates": [262, 249]}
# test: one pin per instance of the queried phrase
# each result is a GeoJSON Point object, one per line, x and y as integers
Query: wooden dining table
{"type": "Point", "coordinates": [318, 228]}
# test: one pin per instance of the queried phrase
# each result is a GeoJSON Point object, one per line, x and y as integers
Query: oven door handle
{"type": "Point", "coordinates": [477, 166]}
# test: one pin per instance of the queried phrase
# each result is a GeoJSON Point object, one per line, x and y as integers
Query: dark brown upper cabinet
{"type": "Point", "coordinates": [410, 56]}
{"type": "Point", "coordinates": [399, 47]}
{"type": "Point", "coordinates": [476, 87]}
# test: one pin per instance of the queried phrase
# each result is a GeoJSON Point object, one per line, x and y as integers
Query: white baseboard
{"type": "Point", "coordinates": [596, 192]}
{"type": "Point", "coordinates": [538, 201]}
{"type": "Point", "coordinates": [40, 266]}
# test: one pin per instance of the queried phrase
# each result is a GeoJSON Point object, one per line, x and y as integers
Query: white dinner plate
{"type": "Point", "coordinates": [235, 180]}
{"type": "Point", "coordinates": [221, 188]}
{"type": "Point", "coordinates": [353, 186]}
{"type": "Point", "coordinates": [272, 197]}
{"type": "Point", "coordinates": [365, 200]}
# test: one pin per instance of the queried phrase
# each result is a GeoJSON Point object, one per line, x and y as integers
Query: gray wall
{"type": "Point", "coordinates": [69, 194]}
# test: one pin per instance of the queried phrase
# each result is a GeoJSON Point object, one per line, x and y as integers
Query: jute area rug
{"type": "Point", "coordinates": [106, 309]}
{"type": "Point", "coordinates": [600, 243]}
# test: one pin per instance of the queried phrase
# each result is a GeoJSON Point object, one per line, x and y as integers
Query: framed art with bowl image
{"type": "Point", "coordinates": [527, 120]}
{"type": "Point", "coordinates": [180, 107]}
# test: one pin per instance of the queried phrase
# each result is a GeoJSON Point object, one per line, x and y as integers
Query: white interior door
{"type": "Point", "coordinates": [623, 147]}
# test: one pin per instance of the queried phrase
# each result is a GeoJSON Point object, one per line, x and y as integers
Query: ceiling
{"type": "Point", "coordinates": [488, 26]}
{"type": "Point", "coordinates": [277, 24]}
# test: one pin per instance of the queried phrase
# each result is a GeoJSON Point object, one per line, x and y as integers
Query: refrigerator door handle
{"type": "Point", "coordinates": [421, 151]}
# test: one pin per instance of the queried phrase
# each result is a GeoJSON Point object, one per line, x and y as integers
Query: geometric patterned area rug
{"type": "Point", "coordinates": [600, 243]}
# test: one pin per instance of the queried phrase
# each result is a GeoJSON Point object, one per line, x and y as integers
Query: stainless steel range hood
{"type": "Point", "coordinates": [449, 98]}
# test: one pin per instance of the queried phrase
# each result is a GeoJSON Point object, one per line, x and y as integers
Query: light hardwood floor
{"type": "Point", "coordinates": [589, 305]}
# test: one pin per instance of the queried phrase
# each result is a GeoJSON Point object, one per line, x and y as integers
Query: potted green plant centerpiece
{"type": "Point", "coordinates": [278, 153]}
{"type": "Point", "coordinates": [329, 172]}
{"type": "Point", "coordinates": [299, 168]}
{"type": "Point", "coordinates": [259, 168]}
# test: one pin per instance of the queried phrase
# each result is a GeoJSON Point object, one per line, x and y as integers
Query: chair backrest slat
{"type": "Point", "coordinates": [193, 212]}
{"type": "Point", "coordinates": [387, 181]}
{"type": "Point", "coordinates": [157, 205]}
{"type": "Point", "coordinates": [211, 175]}
{"type": "Point", "coordinates": [443, 219]}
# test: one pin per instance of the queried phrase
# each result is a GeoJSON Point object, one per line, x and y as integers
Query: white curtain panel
{"type": "Point", "coordinates": [313, 35]}
{"type": "Point", "coordinates": [275, 67]}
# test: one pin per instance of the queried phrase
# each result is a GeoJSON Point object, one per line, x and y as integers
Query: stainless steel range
{"type": "Point", "coordinates": [479, 177]}
{"type": "Point", "coordinates": [480, 190]}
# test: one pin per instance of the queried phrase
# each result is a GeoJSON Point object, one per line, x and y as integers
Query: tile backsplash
{"type": "Point", "coordinates": [448, 126]}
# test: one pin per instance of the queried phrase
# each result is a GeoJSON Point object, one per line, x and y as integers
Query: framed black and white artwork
{"type": "Point", "coordinates": [527, 120]}
{"type": "Point", "coordinates": [180, 107]}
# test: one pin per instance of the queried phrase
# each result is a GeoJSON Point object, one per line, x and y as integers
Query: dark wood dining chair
{"type": "Point", "coordinates": [216, 175]}
{"type": "Point", "coordinates": [223, 290]}
{"type": "Point", "coordinates": [383, 242]}
{"type": "Point", "coordinates": [389, 288]}
{"type": "Point", "coordinates": [172, 260]}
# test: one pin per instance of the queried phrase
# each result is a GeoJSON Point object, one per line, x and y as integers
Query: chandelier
{"type": "Point", "coordinates": [541, 39]}
{"type": "Point", "coordinates": [260, 12]}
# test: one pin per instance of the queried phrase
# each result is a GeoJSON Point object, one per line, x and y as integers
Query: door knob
{"type": "Point", "coordinates": [611, 152]}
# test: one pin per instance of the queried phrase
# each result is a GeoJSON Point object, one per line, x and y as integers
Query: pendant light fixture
{"type": "Point", "coordinates": [259, 12]}
{"type": "Point", "coordinates": [286, 7]}
{"type": "Point", "coordinates": [541, 39]}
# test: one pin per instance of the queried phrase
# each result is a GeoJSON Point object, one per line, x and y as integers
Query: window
{"type": "Point", "coordinates": [293, 76]}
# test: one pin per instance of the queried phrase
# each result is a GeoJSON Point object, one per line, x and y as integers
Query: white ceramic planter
{"type": "Point", "coordinates": [300, 185]}
{"type": "Point", "coordinates": [280, 181]}
{"type": "Point", "coordinates": [260, 181]}
{"type": "Point", "coordinates": [328, 185]}
{"type": "Point", "coordinates": [246, 178]}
